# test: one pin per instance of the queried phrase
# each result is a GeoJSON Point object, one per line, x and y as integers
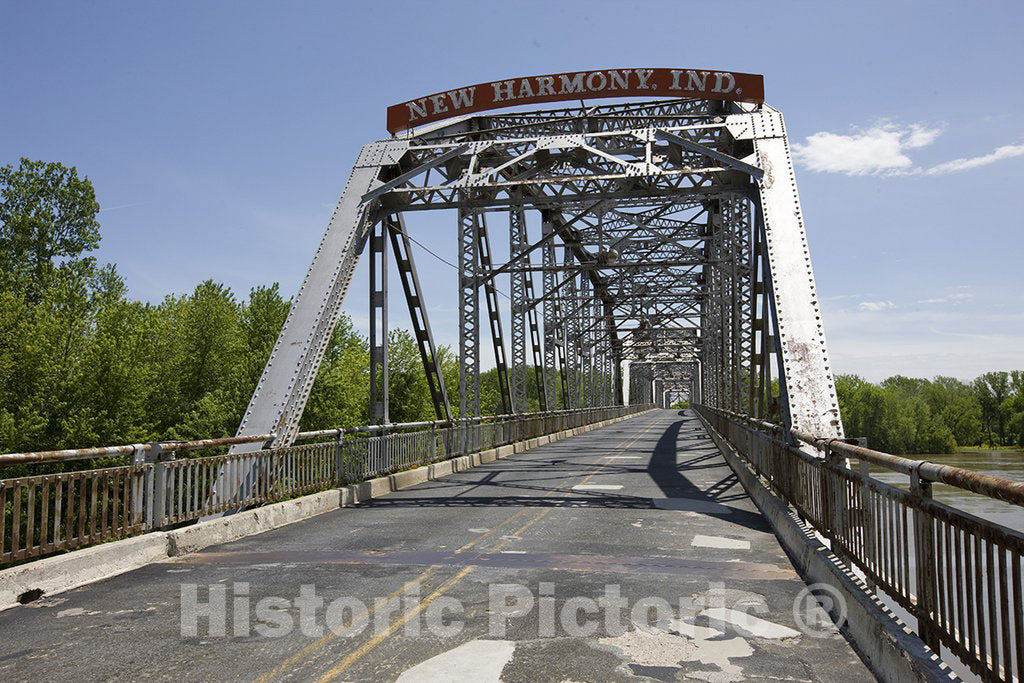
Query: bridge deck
{"type": "Point", "coordinates": [647, 507]}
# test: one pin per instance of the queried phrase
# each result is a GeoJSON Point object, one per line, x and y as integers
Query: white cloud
{"type": "Point", "coordinates": [968, 163]}
{"type": "Point", "coordinates": [882, 150]}
{"type": "Point", "coordinates": [877, 150]}
{"type": "Point", "coordinates": [874, 306]}
{"type": "Point", "coordinates": [956, 298]}
{"type": "Point", "coordinates": [925, 341]}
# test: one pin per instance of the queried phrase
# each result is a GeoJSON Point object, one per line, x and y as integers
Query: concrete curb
{"type": "Point", "coordinates": [63, 572]}
{"type": "Point", "coordinates": [60, 573]}
{"type": "Point", "coordinates": [890, 649]}
{"type": "Point", "coordinates": [190, 539]}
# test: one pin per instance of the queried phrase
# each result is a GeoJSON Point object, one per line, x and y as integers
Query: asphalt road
{"type": "Point", "coordinates": [627, 553]}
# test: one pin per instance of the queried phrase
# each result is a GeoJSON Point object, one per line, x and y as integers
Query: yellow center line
{"type": "Point", "coordinates": [328, 637]}
{"type": "Point", "coordinates": [344, 664]}
{"type": "Point", "coordinates": [351, 659]}
{"type": "Point", "coordinates": [371, 644]}
{"type": "Point", "coordinates": [331, 635]}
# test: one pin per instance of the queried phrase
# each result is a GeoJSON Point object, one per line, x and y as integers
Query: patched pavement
{"type": "Point", "coordinates": [628, 553]}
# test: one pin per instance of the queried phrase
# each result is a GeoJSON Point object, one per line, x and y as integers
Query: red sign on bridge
{"type": "Point", "coordinates": [716, 85]}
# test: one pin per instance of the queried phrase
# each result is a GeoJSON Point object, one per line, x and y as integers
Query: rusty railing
{"type": "Point", "coordinates": [958, 575]}
{"type": "Point", "coordinates": [157, 488]}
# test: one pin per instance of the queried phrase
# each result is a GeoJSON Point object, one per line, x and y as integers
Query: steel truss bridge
{"type": "Point", "coordinates": [671, 264]}
{"type": "Point", "coordinates": [672, 251]}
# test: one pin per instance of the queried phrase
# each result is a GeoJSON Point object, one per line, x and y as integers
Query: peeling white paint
{"type": "Point", "coordinates": [478, 661]}
{"type": "Point", "coordinates": [76, 612]}
{"type": "Point", "coordinates": [701, 541]}
{"type": "Point", "coordinates": [718, 653]}
{"type": "Point", "coordinates": [693, 631]}
{"type": "Point", "coordinates": [749, 624]}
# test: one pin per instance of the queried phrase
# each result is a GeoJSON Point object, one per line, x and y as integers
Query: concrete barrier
{"type": "Point", "coordinates": [886, 645]}
{"type": "Point", "coordinates": [440, 469]}
{"type": "Point", "coordinates": [60, 573]}
{"type": "Point", "coordinates": [403, 480]}
{"type": "Point", "coordinates": [373, 488]}
{"type": "Point", "coordinates": [193, 538]}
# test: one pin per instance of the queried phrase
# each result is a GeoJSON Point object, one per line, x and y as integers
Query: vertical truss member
{"type": "Point", "coordinates": [571, 369]}
{"type": "Point", "coordinates": [469, 314]}
{"type": "Point", "coordinates": [516, 243]}
{"type": "Point", "coordinates": [524, 314]}
{"type": "Point", "coordinates": [493, 313]}
{"type": "Point", "coordinates": [379, 324]}
{"type": "Point", "coordinates": [553, 341]}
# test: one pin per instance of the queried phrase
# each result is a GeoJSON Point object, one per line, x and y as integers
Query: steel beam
{"type": "Point", "coordinates": [379, 384]}
{"type": "Point", "coordinates": [418, 315]}
{"type": "Point", "coordinates": [808, 383]}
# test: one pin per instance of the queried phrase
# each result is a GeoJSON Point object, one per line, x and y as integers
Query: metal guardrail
{"type": "Point", "coordinates": [50, 513]}
{"type": "Point", "coordinates": [957, 574]}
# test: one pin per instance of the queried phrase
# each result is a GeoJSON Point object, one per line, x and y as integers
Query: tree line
{"type": "Point", "coordinates": [83, 364]}
{"type": "Point", "coordinates": [906, 415]}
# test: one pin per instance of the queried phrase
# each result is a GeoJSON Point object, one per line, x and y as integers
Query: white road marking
{"type": "Point", "coordinates": [700, 541]}
{"type": "Point", "coordinates": [597, 487]}
{"type": "Point", "coordinates": [76, 612]}
{"type": "Point", "coordinates": [692, 630]}
{"type": "Point", "coordinates": [749, 624]}
{"type": "Point", "coordinates": [478, 661]}
{"type": "Point", "coordinates": [623, 457]}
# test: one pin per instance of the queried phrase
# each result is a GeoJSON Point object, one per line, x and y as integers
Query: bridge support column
{"type": "Point", "coordinates": [379, 324]}
{"type": "Point", "coordinates": [516, 243]}
{"type": "Point", "coordinates": [553, 340]}
{"type": "Point", "coordinates": [469, 315]}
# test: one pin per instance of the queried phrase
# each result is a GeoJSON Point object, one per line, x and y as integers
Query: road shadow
{"type": "Point", "coordinates": [668, 471]}
{"type": "Point", "coordinates": [681, 450]}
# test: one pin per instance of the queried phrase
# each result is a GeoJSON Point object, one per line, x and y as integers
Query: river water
{"type": "Point", "coordinates": [1000, 463]}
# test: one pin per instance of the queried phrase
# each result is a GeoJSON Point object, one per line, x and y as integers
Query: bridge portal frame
{"type": "Point", "coordinates": [682, 244]}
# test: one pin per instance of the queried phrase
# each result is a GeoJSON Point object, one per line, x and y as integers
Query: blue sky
{"type": "Point", "coordinates": [219, 134]}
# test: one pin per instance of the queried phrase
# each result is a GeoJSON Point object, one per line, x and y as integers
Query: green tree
{"type": "Point", "coordinates": [341, 393]}
{"type": "Point", "coordinates": [1016, 406]}
{"type": "Point", "coordinates": [992, 389]}
{"type": "Point", "coordinates": [46, 213]}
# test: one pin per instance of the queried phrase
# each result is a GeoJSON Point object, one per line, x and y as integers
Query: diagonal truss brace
{"type": "Point", "coordinates": [277, 403]}
{"type": "Point", "coordinates": [806, 378]}
{"type": "Point", "coordinates": [418, 314]}
{"type": "Point", "coordinates": [726, 160]}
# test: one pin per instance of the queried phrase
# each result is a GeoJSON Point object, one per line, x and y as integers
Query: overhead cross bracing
{"type": "Point", "coordinates": [671, 260]}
